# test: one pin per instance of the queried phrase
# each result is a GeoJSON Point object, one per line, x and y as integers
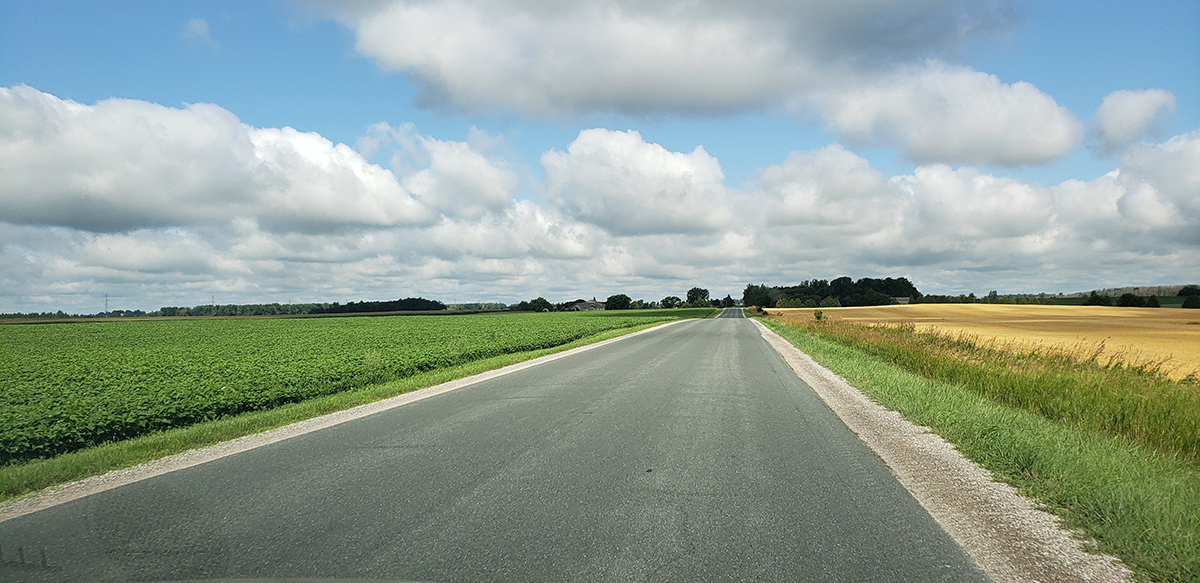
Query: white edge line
{"type": "Point", "coordinates": [1007, 536]}
{"type": "Point", "coordinates": [63, 493]}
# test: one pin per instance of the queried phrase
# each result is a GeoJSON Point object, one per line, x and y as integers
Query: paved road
{"type": "Point", "coordinates": [690, 453]}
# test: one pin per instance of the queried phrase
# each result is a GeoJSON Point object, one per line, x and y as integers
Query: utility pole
{"type": "Point", "coordinates": [106, 303]}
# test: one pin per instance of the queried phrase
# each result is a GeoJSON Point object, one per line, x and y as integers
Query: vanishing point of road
{"type": "Point", "coordinates": [687, 453]}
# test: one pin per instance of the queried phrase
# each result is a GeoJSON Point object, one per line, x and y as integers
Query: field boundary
{"type": "Point", "coordinates": [1007, 536]}
{"type": "Point", "coordinates": [75, 490]}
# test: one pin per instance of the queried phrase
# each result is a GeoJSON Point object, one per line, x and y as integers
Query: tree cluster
{"type": "Point", "coordinates": [842, 291]}
{"type": "Point", "coordinates": [697, 297]}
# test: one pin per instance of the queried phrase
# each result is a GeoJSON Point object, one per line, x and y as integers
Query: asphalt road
{"type": "Point", "coordinates": [690, 453]}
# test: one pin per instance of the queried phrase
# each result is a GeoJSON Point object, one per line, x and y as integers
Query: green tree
{"type": "Point", "coordinates": [670, 302]}
{"type": "Point", "coordinates": [727, 302]}
{"type": "Point", "coordinates": [1152, 302]}
{"type": "Point", "coordinates": [1131, 301]}
{"type": "Point", "coordinates": [831, 302]}
{"type": "Point", "coordinates": [697, 296]}
{"type": "Point", "coordinates": [1189, 290]}
{"type": "Point", "coordinates": [1191, 302]}
{"type": "Point", "coordinates": [1097, 300]}
{"type": "Point", "coordinates": [618, 302]}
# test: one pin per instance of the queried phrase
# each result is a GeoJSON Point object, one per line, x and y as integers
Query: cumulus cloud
{"type": "Point", "coordinates": [939, 113]}
{"type": "Point", "coordinates": [875, 70]}
{"type": "Point", "coordinates": [618, 181]}
{"type": "Point", "coordinates": [170, 206]}
{"type": "Point", "coordinates": [125, 164]}
{"type": "Point", "coordinates": [549, 58]}
{"type": "Point", "coordinates": [1124, 116]}
{"type": "Point", "coordinates": [827, 209]}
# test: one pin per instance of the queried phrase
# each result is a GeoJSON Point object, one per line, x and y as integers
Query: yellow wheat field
{"type": "Point", "coordinates": [1135, 335]}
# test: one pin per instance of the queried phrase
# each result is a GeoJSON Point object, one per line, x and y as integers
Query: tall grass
{"type": "Point", "coordinates": [1079, 386]}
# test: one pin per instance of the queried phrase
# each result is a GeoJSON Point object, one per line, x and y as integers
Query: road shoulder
{"type": "Point", "coordinates": [1004, 533]}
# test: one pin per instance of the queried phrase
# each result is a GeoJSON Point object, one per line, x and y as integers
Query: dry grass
{"type": "Point", "coordinates": [1168, 338]}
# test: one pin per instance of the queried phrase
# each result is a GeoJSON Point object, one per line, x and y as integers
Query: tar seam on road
{"type": "Point", "coordinates": [1003, 532]}
{"type": "Point", "coordinates": [116, 478]}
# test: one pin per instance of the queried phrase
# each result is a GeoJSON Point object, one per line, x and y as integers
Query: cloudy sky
{"type": "Point", "coordinates": [176, 153]}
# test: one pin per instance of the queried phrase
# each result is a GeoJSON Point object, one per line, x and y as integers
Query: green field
{"type": "Point", "coordinates": [68, 386]}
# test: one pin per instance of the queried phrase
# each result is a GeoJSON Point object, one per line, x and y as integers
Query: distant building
{"type": "Point", "coordinates": [586, 306]}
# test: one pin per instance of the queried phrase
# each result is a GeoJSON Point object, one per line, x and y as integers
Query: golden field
{"type": "Point", "coordinates": [1135, 335]}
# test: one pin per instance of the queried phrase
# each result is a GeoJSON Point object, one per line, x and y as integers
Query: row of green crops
{"type": "Point", "coordinates": [64, 387]}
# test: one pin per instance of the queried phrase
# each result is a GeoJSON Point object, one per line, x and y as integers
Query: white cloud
{"type": "Point", "coordinates": [196, 30]}
{"type": "Point", "coordinates": [874, 69]}
{"type": "Point", "coordinates": [124, 164]}
{"type": "Point", "coordinates": [939, 113]}
{"type": "Point", "coordinates": [629, 187]}
{"type": "Point", "coordinates": [1125, 116]}
{"type": "Point", "coordinates": [165, 206]}
{"type": "Point", "coordinates": [629, 56]}
{"type": "Point", "coordinates": [827, 212]}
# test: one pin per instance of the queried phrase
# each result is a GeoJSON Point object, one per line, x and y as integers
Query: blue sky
{"type": "Point", "coordinates": [476, 151]}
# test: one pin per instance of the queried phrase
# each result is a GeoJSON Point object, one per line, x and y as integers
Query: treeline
{"type": "Point", "coordinates": [697, 297]}
{"type": "Point", "coordinates": [403, 305]}
{"type": "Point", "coordinates": [59, 315]}
{"type": "Point", "coordinates": [992, 297]}
{"type": "Point", "coordinates": [839, 292]}
{"type": "Point", "coordinates": [1189, 293]}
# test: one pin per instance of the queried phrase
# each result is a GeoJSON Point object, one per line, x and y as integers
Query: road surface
{"type": "Point", "coordinates": [690, 453]}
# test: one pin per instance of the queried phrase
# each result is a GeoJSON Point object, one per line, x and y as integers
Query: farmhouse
{"type": "Point", "coordinates": [586, 306]}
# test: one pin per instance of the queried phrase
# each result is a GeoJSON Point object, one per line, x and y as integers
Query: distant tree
{"type": "Point", "coordinates": [618, 302]}
{"type": "Point", "coordinates": [1189, 290]}
{"type": "Point", "coordinates": [1152, 302]}
{"type": "Point", "coordinates": [670, 302]}
{"type": "Point", "coordinates": [810, 303]}
{"type": "Point", "coordinates": [538, 304]}
{"type": "Point", "coordinates": [831, 302]}
{"type": "Point", "coordinates": [789, 302]}
{"type": "Point", "coordinates": [727, 302]}
{"type": "Point", "coordinates": [1131, 301]}
{"type": "Point", "coordinates": [1097, 300]}
{"type": "Point", "coordinates": [1191, 302]}
{"type": "Point", "coordinates": [697, 296]}
{"type": "Point", "coordinates": [758, 295]}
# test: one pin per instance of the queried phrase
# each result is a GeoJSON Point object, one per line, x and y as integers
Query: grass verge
{"type": "Point", "coordinates": [19, 480]}
{"type": "Point", "coordinates": [1138, 503]}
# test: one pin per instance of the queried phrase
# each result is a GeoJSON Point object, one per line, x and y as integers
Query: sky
{"type": "Point", "coordinates": [179, 153]}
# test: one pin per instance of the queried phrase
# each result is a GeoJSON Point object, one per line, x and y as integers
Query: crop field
{"type": "Point", "coordinates": [1134, 335]}
{"type": "Point", "coordinates": [64, 387]}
